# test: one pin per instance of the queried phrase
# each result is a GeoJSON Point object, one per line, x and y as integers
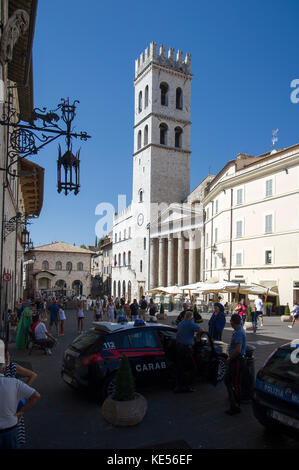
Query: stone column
{"type": "Point", "coordinates": [170, 262]}
{"type": "Point", "coordinates": [181, 260]}
{"type": "Point", "coordinates": [153, 263]}
{"type": "Point", "coordinates": [192, 257]}
{"type": "Point", "coordinates": [162, 267]}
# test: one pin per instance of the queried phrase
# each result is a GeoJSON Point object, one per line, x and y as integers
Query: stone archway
{"type": "Point", "coordinates": [77, 287]}
{"type": "Point", "coordinates": [60, 287]}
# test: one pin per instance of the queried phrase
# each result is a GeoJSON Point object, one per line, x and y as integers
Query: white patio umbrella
{"type": "Point", "coordinates": [216, 287]}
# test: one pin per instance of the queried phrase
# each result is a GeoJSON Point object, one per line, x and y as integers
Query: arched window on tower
{"type": "Point", "coordinates": [140, 195]}
{"type": "Point", "coordinates": [129, 258]}
{"type": "Point", "coordinates": [179, 98]}
{"type": "Point", "coordinates": [178, 137]}
{"type": "Point", "coordinates": [164, 94]}
{"type": "Point", "coordinates": [163, 134]}
{"type": "Point", "coordinates": [139, 140]}
{"type": "Point", "coordinates": [119, 259]}
{"type": "Point", "coordinates": [146, 135]}
{"type": "Point", "coordinates": [140, 102]}
{"type": "Point", "coordinates": [141, 266]}
{"type": "Point", "coordinates": [146, 97]}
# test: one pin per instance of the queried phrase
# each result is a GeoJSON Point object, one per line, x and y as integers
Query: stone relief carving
{"type": "Point", "coordinates": [15, 27]}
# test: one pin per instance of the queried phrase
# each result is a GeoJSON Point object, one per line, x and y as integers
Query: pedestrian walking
{"type": "Point", "coordinates": [80, 317]}
{"type": "Point", "coordinates": [217, 322]}
{"type": "Point", "coordinates": [143, 307]}
{"type": "Point", "coordinates": [111, 311]}
{"type": "Point", "coordinates": [12, 391]}
{"type": "Point", "coordinates": [62, 319]}
{"type": "Point", "coordinates": [25, 322]}
{"type": "Point", "coordinates": [134, 307]}
{"type": "Point", "coordinates": [236, 365]}
{"type": "Point", "coordinates": [127, 309]}
{"type": "Point", "coordinates": [257, 314]}
{"type": "Point", "coordinates": [184, 348]}
{"type": "Point", "coordinates": [295, 313]}
{"type": "Point", "coordinates": [98, 309]}
{"type": "Point", "coordinates": [242, 309]}
{"type": "Point", "coordinates": [152, 309]}
{"type": "Point", "coordinates": [54, 315]}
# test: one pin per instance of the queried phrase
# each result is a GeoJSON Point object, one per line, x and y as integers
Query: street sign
{"type": "Point", "coordinates": [6, 277]}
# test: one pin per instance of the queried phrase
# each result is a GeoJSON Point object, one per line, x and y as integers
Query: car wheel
{"type": "Point", "coordinates": [222, 368]}
{"type": "Point", "coordinates": [109, 386]}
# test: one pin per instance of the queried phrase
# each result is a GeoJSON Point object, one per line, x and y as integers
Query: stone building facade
{"type": "Point", "coordinates": [58, 268]}
{"type": "Point", "coordinates": [21, 197]}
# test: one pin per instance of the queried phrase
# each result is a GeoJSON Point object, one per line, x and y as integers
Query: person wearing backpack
{"type": "Point", "coordinates": [143, 307]}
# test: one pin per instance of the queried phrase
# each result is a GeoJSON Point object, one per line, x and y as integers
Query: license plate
{"type": "Point", "coordinates": [67, 379]}
{"type": "Point", "coordinates": [294, 423]}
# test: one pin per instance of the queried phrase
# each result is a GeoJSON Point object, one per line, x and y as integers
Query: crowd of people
{"type": "Point", "coordinates": [32, 315]}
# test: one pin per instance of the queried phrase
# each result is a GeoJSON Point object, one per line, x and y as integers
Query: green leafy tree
{"type": "Point", "coordinates": [125, 386]}
{"type": "Point", "coordinates": [287, 310]}
{"type": "Point", "coordinates": [249, 314]}
{"type": "Point", "coordinates": [83, 246]}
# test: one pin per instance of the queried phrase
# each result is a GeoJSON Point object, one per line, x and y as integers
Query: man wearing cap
{"type": "Point", "coordinates": [184, 344]}
{"type": "Point", "coordinates": [235, 364]}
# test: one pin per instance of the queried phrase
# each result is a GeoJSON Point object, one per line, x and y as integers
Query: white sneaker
{"type": "Point", "coordinates": [49, 352]}
{"type": "Point", "coordinates": [290, 326]}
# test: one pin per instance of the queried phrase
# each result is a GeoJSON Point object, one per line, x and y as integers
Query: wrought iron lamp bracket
{"type": "Point", "coordinates": [26, 139]}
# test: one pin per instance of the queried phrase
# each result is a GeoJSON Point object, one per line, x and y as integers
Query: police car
{"type": "Point", "coordinates": [276, 394]}
{"type": "Point", "coordinates": [92, 359]}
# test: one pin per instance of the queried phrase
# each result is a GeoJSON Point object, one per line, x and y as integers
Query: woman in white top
{"type": "Point", "coordinates": [62, 319]}
{"type": "Point", "coordinates": [111, 310]}
{"type": "Point", "coordinates": [80, 317]}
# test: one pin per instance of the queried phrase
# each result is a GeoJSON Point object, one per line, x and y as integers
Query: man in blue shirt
{"type": "Point", "coordinates": [235, 365]}
{"type": "Point", "coordinates": [184, 344]}
{"type": "Point", "coordinates": [53, 309]}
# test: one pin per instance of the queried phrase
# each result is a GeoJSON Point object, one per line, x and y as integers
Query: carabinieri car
{"type": "Point", "coordinates": [92, 359]}
{"type": "Point", "coordinates": [276, 395]}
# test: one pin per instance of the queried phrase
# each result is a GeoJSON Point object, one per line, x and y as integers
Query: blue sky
{"type": "Point", "coordinates": [244, 57]}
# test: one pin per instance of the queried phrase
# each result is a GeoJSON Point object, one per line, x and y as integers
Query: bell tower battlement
{"type": "Point", "coordinates": [151, 55]}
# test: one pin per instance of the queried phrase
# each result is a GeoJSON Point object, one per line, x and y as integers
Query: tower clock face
{"type": "Point", "coordinates": [140, 219]}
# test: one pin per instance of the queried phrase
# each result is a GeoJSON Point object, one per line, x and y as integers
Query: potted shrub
{"type": "Point", "coordinates": [125, 407]}
{"type": "Point", "coordinates": [248, 319]}
{"type": "Point", "coordinates": [161, 315]}
{"type": "Point", "coordinates": [287, 315]}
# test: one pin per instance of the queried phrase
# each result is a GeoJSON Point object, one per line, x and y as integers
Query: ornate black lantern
{"type": "Point", "coordinates": [25, 238]}
{"type": "Point", "coordinates": [68, 166]}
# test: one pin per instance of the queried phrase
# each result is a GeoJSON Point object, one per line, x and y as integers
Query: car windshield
{"type": "Point", "coordinates": [282, 365]}
{"type": "Point", "coordinates": [86, 340]}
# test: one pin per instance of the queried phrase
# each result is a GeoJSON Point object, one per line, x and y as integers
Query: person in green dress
{"type": "Point", "coordinates": [24, 323]}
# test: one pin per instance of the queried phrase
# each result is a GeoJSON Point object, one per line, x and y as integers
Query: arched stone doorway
{"type": "Point", "coordinates": [141, 292]}
{"type": "Point", "coordinates": [44, 283]}
{"type": "Point", "coordinates": [60, 287]}
{"type": "Point", "coordinates": [77, 287]}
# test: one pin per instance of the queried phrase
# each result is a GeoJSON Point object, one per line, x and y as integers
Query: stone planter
{"type": "Point", "coordinates": [248, 326]}
{"type": "Point", "coordinates": [124, 413]}
{"type": "Point", "coordinates": [286, 318]}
